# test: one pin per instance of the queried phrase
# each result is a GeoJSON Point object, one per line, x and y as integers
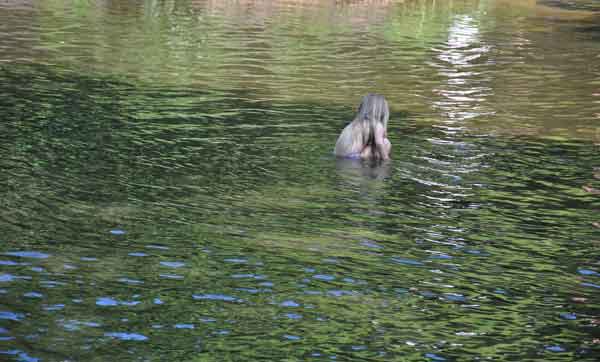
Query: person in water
{"type": "Point", "coordinates": [366, 136]}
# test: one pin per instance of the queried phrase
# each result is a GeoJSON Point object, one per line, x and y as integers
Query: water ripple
{"type": "Point", "coordinates": [153, 151]}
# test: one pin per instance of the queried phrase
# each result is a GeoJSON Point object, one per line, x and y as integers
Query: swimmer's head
{"type": "Point", "coordinates": [373, 109]}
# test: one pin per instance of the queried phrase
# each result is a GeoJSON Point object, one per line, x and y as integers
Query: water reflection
{"type": "Point", "coordinates": [356, 170]}
{"type": "Point", "coordinates": [170, 189]}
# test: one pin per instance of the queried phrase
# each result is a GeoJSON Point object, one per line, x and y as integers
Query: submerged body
{"type": "Point", "coordinates": [366, 136]}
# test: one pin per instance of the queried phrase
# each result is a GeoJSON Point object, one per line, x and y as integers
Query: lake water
{"type": "Point", "coordinates": [169, 191]}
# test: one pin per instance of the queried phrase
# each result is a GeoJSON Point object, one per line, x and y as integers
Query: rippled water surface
{"type": "Point", "coordinates": [169, 193]}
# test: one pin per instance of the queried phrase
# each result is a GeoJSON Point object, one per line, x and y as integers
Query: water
{"type": "Point", "coordinates": [168, 189]}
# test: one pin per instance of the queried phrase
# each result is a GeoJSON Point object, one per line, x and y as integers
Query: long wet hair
{"type": "Point", "coordinates": [373, 109]}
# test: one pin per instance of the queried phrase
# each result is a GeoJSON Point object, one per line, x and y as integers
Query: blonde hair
{"type": "Point", "coordinates": [373, 108]}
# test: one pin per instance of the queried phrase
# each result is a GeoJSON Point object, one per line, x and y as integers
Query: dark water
{"type": "Point", "coordinates": [169, 194]}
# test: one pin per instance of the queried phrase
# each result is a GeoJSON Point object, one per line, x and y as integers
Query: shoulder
{"type": "Point", "coordinates": [346, 141]}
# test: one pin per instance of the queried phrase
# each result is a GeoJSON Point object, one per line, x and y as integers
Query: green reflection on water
{"type": "Point", "coordinates": [402, 259]}
{"type": "Point", "coordinates": [470, 243]}
{"type": "Point", "coordinates": [518, 67]}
